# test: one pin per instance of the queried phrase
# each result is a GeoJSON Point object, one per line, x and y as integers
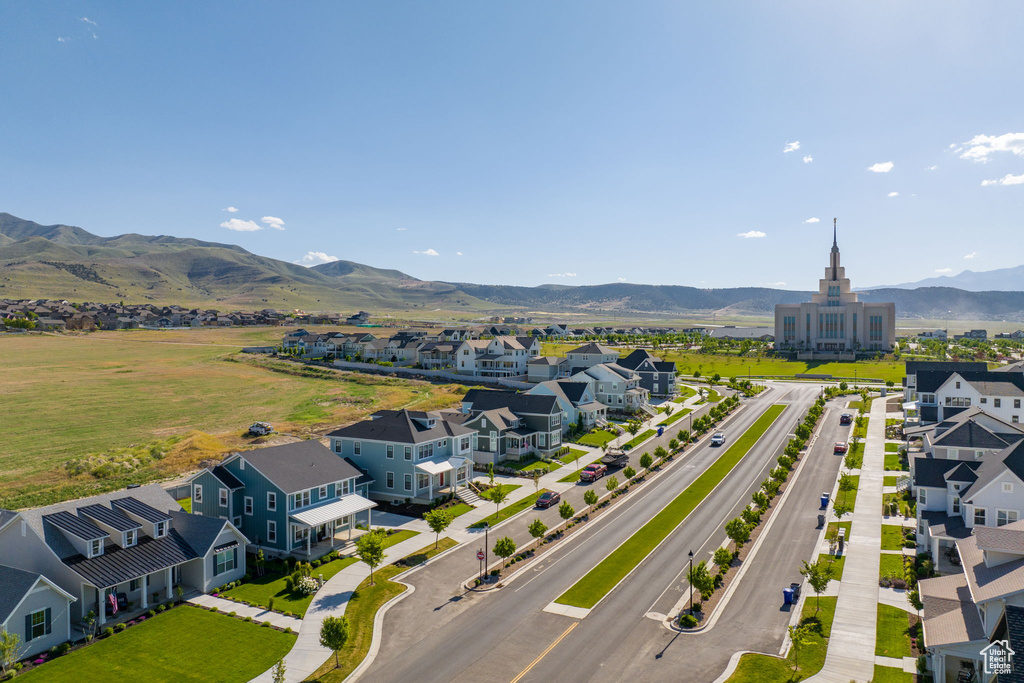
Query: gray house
{"type": "Point", "coordinates": [34, 608]}
{"type": "Point", "coordinates": [656, 376]}
{"type": "Point", "coordinates": [408, 454]}
{"type": "Point", "coordinates": [532, 424]}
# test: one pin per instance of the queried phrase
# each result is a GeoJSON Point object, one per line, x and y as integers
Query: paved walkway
{"type": "Point", "coordinates": [258, 614]}
{"type": "Point", "coordinates": [851, 650]}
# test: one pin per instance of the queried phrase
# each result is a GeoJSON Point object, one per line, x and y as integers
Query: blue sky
{"type": "Point", "coordinates": [576, 142]}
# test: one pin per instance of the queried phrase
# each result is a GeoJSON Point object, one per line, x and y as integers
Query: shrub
{"type": "Point", "coordinates": [288, 629]}
{"type": "Point", "coordinates": [307, 585]}
{"type": "Point", "coordinates": [248, 619]}
{"type": "Point", "coordinates": [108, 631]}
{"type": "Point", "coordinates": [232, 614]}
{"type": "Point", "coordinates": [161, 608]}
{"type": "Point", "coordinates": [151, 613]}
{"type": "Point", "coordinates": [120, 627]}
{"type": "Point", "coordinates": [270, 603]}
{"type": "Point", "coordinates": [687, 621]}
{"type": "Point", "coordinates": [265, 624]}
{"type": "Point", "coordinates": [289, 583]}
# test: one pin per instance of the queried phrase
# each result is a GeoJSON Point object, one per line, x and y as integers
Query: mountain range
{"type": "Point", "coordinates": [65, 262]}
{"type": "Point", "coordinates": [999, 280]}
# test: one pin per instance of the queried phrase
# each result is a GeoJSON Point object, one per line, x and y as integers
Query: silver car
{"type": "Point", "coordinates": [718, 439]}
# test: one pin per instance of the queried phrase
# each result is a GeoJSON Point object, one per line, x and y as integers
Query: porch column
{"type": "Point", "coordinates": [101, 612]}
{"type": "Point", "coordinates": [431, 487]}
{"type": "Point", "coordinates": [168, 581]}
{"type": "Point", "coordinates": [350, 525]}
{"type": "Point", "coordinates": [369, 518]}
{"type": "Point", "coordinates": [143, 589]}
{"type": "Point", "coordinates": [334, 526]}
{"type": "Point", "coordinates": [309, 544]}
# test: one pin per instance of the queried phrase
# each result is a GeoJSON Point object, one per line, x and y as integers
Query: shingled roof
{"type": "Point", "coordinates": [301, 465]}
{"type": "Point", "coordinates": [491, 399]}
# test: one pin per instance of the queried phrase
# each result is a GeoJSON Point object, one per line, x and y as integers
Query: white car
{"type": "Point", "coordinates": [718, 439]}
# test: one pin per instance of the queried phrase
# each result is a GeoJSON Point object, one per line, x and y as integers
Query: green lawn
{"type": "Point", "coordinates": [574, 476]}
{"type": "Point", "coordinates": [861, 432]}
{"type": "Point", "coordinates": [459, 509]}
{"type": "Point", "coordinates": [596, 438]}
{"type": "Point", "coordinates": [570, 457]}
{"type": "Point", "coordinates": [864, 408]}
{"type": "Point", "coordinates": [713, 396]}
{"type": "Point", "coordinates": [890, 481]}
{"type": "Point", "coordinates": [891, 565]}
{"type": "Point", "coordinates": [509, 510]}
{"type": "Point", "coordinates": [755, 668]}
{"type": "Point", "coordinates": [837, 564]}
{"type": "Point", "coordinates": [508, 488]}
{"type": "Point", "coordinates": [855, 456]}
{"type": "Point", "coordinates": [602, 578]}
{"type": "Point", "coordinates": [892, 448]}
{"type": "Point", "coordinates": [893, 421]}
{"type": "Point", "coordinates": [525, 466]}
{"type": "Point", "coordinates": [685, 392]}
{"type": "Point", "coordinates": [890, 674]}
{"type": "Point", "coordinates": [271, 585]}
{"type": "Point", "coordinates": [892, 537]}
{"type": "Point", "coordinates": [396, 538]}
{"type": "Point", "coordinates": [893, 632]}
{"type": "Point", "coordinates": [849, 497]}
{"type": "Point", "coordinates": [674, 417]}
{"type": "Point", "coordinates": [638, 439]}
{"type": "Point", "coordinates": [186, 505]}
{"type": "Point", "coordinates": [906, 509]}
{"type": "Point", "coordinates": [184, 644]}
{"type": "Point", "coordinates": [841, 525]}
{"type": "Point", "coordinates": [892, 462]}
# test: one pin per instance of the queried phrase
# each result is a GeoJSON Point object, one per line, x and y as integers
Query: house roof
{"type": "Point", "coordinates": [140, 509]}
{"type": "Point", "coordinates": [364, 476]}
{"type": "Point", "coordinates": [300, 465]}
{"type": "Point", "coordinates": [1008, 538]}
{"type": "Point", "coordinates": [1010, 458]}
{"type": "Point", "coordinates": [989, 583]}
{"type": "Point", "coordinates": [546, 360]}
{"type": "Point", "coordinates": [633, 360]}
{"type": "Point", "coordinates": [82, 528]}
{"type": "Point", "coordinates": [224, 475]}
{"type": "Point", "coordinates": [110, 517]}
{"type": "Point", "coordinates": [489, 399]}
{"type": "Point", "coordinates": [970, 434]}
{"type": "Point", "coordinates": [594, 347]}
{"type": "Point", "coordinates": [1013, 619]}
{"type": "Point", "coordinates": [403, 426]}
{"type": "Point", "coordinates": [6, 517]}
{"type": "Point", "coordinates": [198, 531]}
{"type": "Point", "coordinates": [950, 615]}
{"type": "Point", "coordinates": [117, 565]}
{"type": "Point", "coordinates": [948, 526]}
{"type": "Point", "coordinates": [574, 391]}
{"type": "Point", "coordinates": [962, 473]}
{"type": "Point", "coordinates": [14, 584]}
{"type": "Point", "coordinates": [914, 367]}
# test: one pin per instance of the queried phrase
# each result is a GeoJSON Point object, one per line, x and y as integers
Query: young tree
{"type": "Point", "coordinates": [750, 516]}
{"type": "Point", "coordinates": [279, 670]}
{"type": "Point", "coordinates": [700, 578]}
{"type": "Point", "coordinates": [537, 528]}
{"type": "Point", "coordinates": [633, 426]}
{"type": "Point", "coordinates": [673, 445]}
{"type": "Point", "coordinates": [800, 635]}
{"type": "Point", "coordinates": [261, 560]}
{"type": "Point", "coordinates": [841, 509]}
{"type": "Point", "coordinates": [818, 575]}
{"type": "Point", "coordinates": [504, 548]}
{"type": "Point", "coordinates": [565, 511]}
{"type": "Point", "coordinates": [439, 520]}
{"type": "Point", "coordinates": [536, 475]}
{"type": "Point", "coordinates": [738, 531]}
{"type": "Point", "coordinates": [10, 644]}
{"type": "Point", "coordinates": [629, 472]}
{"type": "Point", "coordinates": [590, 497]}
{"type": "Point", "coordinates": [612, 483]}
{"type": "Point", "coordinates": [646, 461]}
{"type": "Point", "coordinates": [576, 457]}
{"type": "Point", "coordinates": [370, 549]}
{"type": "Point", "coordinates": [660, 453]}
{"type": "Point", "coordinates": [490, 473]}
{"type": "Point", "coordinates": [760, 500]}
{"type": "Point", "coordinates": [723, 558]}
{"type": "Point", "coordinates": [334, 635]}
{"type": "Point", "coordinates": [498, 495]}
{"type": "Point", "coordinates": [832, 536]}
{"type": "Point", "coordinates": [846, 482]}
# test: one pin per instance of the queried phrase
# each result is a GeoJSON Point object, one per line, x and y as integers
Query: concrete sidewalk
{"type": "Point", "coordinates": [851, 648]}
{"type": "Point", "coordinates": [258, 614]}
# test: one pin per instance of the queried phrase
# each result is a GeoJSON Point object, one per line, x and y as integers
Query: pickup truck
{"type": "Point", "coordinates": [615, 458]}
{"type": "Point", "coordinates": [593, 472]}
{"type": "Point", "coordinates": [260, 428]}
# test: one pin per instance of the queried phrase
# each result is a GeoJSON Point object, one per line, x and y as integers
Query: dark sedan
{"type": "Point", "coordinates": [548, 498]}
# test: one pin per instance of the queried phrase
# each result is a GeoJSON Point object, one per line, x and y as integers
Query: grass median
{"type": "Point", "coordinates": [589, 590]}
{"type": "Point", "coordinates": [674, 417]}
{"type": "Point", "coordinates": [509, 510]}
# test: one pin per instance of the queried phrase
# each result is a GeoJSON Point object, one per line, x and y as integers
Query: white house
{"type": "Point", "coordinates": [616, 387]}
{"type": "Point", "coordinates": [498, 357]}
{"type": "Point", "coordinates": [577, 401]}
{"type": "Point", "coordinates": [1000, 394]}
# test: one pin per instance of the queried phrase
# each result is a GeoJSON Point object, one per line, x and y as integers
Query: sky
{"type": "Point", "coordinates": [527, 142]}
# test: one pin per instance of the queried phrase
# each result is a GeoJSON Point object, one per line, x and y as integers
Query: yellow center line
{"type": "Point", "coordinates": [545, 653]}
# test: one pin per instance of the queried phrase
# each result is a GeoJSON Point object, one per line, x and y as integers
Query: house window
{"type": "Point", "coordinates": [247, 505]}
{"type": "Point", "coordinates": [271, 501]}
{"type": "Point", "coordinates": [161, 530]}
{"type": "Point", "coordinates": [1015, 419]}
{"type": "Point", "coordinates": [237, 521]}
{"type": "Point", "coordinates": [346, 487]}
{"type": "Point", "coordinates": [422, 482]}
{"type": "Point", "coordinates": [390, 480]}
{"type": "Point", "coordinates": [425, 451]}
{"type": "Point", "coordinates": [408, 482]}
{"type": "Point", "coordinates": [223, 497]}
{"type": "Point", "coordinates": [979, 517]}
{"type": "Point", "coordinates": [337, 447]}
{"type": "Point", "coordinates": [96, 547]}
{"type": "Point", "coordinates": [322, 492]}
{"type": "Point", "coordinates": [391, 451]}
{"type": "Point", "coordinates": [271, 531]}
{"type": "Point", "coordinates": [1016, 403]}
{"type": "Point", "coordinates": [134, 584]}
{"type": "Point", "coordinates": [224, 562]}
{"type": "Point", "coordinates": [357, 447]}
{"type": "Point", "coordinates": [300, 500]}
{"type": "Point", "coordinates": [197, 493]}
{"type": "Point", "coordinates": [408, 453]}
{"type": "Point", "coordinates": [465, 444]}
{"type": "Point", "coordinates": [38, 624]}
{"type": "Point", "coordinates": [1007, 487]}
{"type": "Point", "coordinates": [956, 505]}
{"type": "Point", "coordinates": [922, 497]}
{"type": "Point", "coordinates": [985, 400]}
{"type": "Point", "coordinates": [997, 402]}
{"type": "Point", "coordinates": [1005, 517]}
{"type": "Point", "coordinates": [130, 538]}
{"type": "Point", "coordinates": [958, 385]}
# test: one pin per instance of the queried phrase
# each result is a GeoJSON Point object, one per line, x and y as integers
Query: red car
{"type": "Point", "coordinates": [593, 472]}
{"type": "Point", "coordinates": [840, 447]}
{"type": "Point", "coordinates": [548, 498]}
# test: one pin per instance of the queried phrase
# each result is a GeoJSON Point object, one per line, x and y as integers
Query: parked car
{"type": "Point", "coordinates": [845, 419]}
{"type": "Point", "coordinates": [548, 498]}
{"type": "Point", "coordinates": [718, 439]}
{"type": "Point", "coordinates": [260, 428]}
{"type": "Point", "coordinates": [840, 447]}
{"type": "Point", "coordinates": [615, 457]}
{"type": "Point", "coordinates": [593, 472]}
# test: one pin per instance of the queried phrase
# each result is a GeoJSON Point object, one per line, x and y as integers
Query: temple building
{"type": "Point", "coordinates": [835, 324]}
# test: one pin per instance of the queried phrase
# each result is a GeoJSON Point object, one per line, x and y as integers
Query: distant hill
{"type": "Point", "coordinates": [1000, 280]}
{"type": "Point", "coordinates": [66, 262]}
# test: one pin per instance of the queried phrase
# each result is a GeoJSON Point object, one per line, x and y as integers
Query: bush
{"type": "Point", "coordinates": [248, 619]}
{"type": "Point", "coordinates": [120, 627]}
{"type": "Point", "coordinates": [288, 629]}
{"type": "Point", "coordinates": [151, 613]}
{"type": "Point", "coordinates": [108, 631]}
{"type": "Point", "coordinates": [265, 624]}
{"type": "Point", "coordinates": [161, 608]}
{"type": "Point", "coordinates": [289, 583]}
{"type": "Point", "coordinates": [687, 621]}
{"type": "Point", "coordinates": [63, 648]}
{"type": "Point", "coordinates": [232, 614]}
{"type": "Point", "coordinates": [270, 603]}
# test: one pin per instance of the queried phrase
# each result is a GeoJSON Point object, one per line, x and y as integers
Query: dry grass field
{"type": "Point", "coordinates": [125, 407]}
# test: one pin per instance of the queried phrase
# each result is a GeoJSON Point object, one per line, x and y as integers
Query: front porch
{"type": "Point", "coordinates": [437, 477]}
{"type": "Point", "coordinates": [315, 529]}
{"type": "Point", "coordinates": [129, 599]}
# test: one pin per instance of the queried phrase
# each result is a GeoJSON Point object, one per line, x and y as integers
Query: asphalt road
{"type": "Point", "coordinates": [442, 633]}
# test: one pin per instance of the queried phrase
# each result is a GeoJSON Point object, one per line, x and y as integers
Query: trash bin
{"type": "Point", "coordinates": [787, 596]}
{"type": "Point", "coordinates": [824, 501]}
{"type": "Point", "coordinates": [661, 430]}
{"type": "Point", "coordinates": [821, 521]}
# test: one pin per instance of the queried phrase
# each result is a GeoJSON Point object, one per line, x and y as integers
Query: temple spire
{"type": "Point", "coordinates": [835, 243]}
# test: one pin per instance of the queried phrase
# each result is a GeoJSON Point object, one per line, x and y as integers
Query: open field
{"type": "Point", "coordinates": [66, 397]}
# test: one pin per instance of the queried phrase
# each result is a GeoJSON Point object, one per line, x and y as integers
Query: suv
{"type": "Point", "coordinates": [718, 439]}
{"type": "Point", "coordinates": [845, 419]}
{"type": "Point", "coordinates": [593, 472]}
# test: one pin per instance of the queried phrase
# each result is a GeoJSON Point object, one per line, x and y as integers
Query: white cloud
{"type": "Point", "coordinates": [273, 222]}
{"type": "Point", "coordinates": [561, 274]}
{"type": "Point", "coordinates": [791, 147]}
{"type": "Point", "coordinates": [931, 168]}
{"type": "Point", "coordinates": [63, 40]}
{"type": "Point", "coordinates": [751, 233]}
{"type": "Point", "coordinates": [973, 254]}
{"type": "Point", "coordinates": [89, 21]}
{"type": "Point", "coordinates": [893, 194]}
{"type": "Point", "coordinates": [1008, 179]}
{"type": "Point", "coordinates": [943, 270]}
{"type": "Point", "coordinates": [622, 279]}
{"type": "Point", "coordinates": [239, 225]}
{"type": "Point", "coordinates": [881, 167]}
{"type": "Point", "coordinates": [773, 284]}
{"type": "Point", "coordinates": [458, 253]}
{"type": "Point", "coordinates": [230, 209]}
{"type": "Point", "coordinates": [981, 146]}
{"type": "Point", "coordinates": [401, 229]}
{"type": "Point", "coordinates": [812, 220]}
{"type": "Point", "coordinates": [808, 158]}
{"type": "Point", "coordinates": [428, 252]}
{"type": "Point", "coordinates": [315, 258]}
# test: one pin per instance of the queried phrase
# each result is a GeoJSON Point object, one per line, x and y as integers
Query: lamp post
{"type": "Point", "coordinates": [691, 582]}
{"type": "Point", "coordinates": [486, 549]}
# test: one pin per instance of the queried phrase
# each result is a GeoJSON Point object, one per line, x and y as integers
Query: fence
{"type": "Point", "coordinates": [418, 373]}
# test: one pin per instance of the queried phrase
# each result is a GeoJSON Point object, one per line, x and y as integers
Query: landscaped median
{"type": "Point", "coordinates": [589, 590]}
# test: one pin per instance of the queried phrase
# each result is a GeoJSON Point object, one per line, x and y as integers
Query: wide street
{"type": "Point", "coordinates": [440, 632]}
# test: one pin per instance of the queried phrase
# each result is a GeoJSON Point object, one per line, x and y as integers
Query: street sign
{"type": "Point", "coordinates": [480, 555]}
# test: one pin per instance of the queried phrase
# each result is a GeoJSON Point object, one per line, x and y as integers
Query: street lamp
{"type": "Point", "coordinates": [486, 549]}
{"type": "Point", "coordinates": [691, 582]}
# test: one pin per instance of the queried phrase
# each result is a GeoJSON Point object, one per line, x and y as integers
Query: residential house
{"type": "Point", "coordinates": [941, 395]}
{"type": "Point", "coordinates": [589, 355]}
{"type": "Point", "coordinates": [289, 499]}
{"type": "Point", "coordinates": [656, 376]}
{"type": "Point", "coordinates": [360, 318]}
{"type": "Point", "coordinates": [511, 425]}
{"type": "Point", "coordinates": [135, 545]}
{"type": "Point", "coordinates": [577, 401]}
{"type": "Point", "coordinates": [972, 334]}
{"type": "Point", "coordinates": [544, 368]}
{"type": "Point", "coordinates": [35, 609]}
{"type": "Point", "coordinates": [616, 387]}
{"type": "Point", "coordinates": [934, 334]}
{"type": "Point", "coordinates": [498, 357]}
{"type": "Point", "coordinates": [913, 367]}
{"type": "Point", "coordinates": [408, 454]}
{"type": "Point", "coordinates": [1018, 334]}
{"type": "Point", "coordinates": [438, 355]}
{"type": "Point", "coordinates": [743, 333]}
